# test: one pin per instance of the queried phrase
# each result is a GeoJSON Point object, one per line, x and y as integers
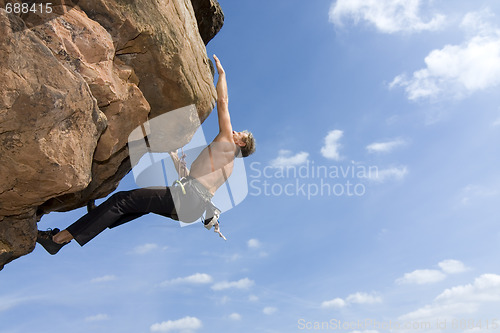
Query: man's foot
{"type": "Point", "coordinates": [45, 239]}
{"type": "Point", "coordinates": [214, 222]}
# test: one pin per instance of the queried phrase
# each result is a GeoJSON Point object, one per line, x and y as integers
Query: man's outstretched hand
{"type": "Point", "coordinates": [220, 69]}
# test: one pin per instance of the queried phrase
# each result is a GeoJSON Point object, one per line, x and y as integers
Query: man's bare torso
{"type": "Point", "coordinates": [214, 165]}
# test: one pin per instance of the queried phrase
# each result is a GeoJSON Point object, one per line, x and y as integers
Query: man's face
{"type": "Point", "coordinates": [238, 138]}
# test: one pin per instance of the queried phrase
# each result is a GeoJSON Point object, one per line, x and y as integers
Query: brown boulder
{"type": "Point", "coordinates": [74, 88]}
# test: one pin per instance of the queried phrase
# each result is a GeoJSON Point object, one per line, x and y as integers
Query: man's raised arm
{"type": "Point", "coordinates": [225, 128]}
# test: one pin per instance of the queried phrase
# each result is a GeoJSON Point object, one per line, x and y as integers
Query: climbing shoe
{"type": "Point", "coordinates": [214, 222]}
{"type": "Point", "coordinates": [44, 238]}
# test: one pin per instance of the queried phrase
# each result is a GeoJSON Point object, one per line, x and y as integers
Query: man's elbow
{"type": "Point", "coordinates": [222, 101]}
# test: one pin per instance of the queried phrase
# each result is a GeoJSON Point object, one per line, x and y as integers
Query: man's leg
{"type": "Point", "coordinates": [120, 208]}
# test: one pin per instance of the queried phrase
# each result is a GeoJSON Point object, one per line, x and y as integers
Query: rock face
{"type": "Point", "coordinates": [210, 18]}
{"type": "Point", "coordinates": [73, 88]}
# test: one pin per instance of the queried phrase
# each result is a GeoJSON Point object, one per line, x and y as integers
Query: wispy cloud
{"type": "Point", "coordinates": [479, 22]}
{"type": "Point", "coordinates": [184, 325]}
{"type": "Point", "coordinates": [253, 298]}
{"type": "Point", "coordinates": [8, 302]}
{"type": "Point", "coordinates": [197, 278]}
{"type": "Point", "coordinates": [363, 298]}
{"type": "Point", "coordinates": [244, 283]}
{"type": "Point", "coordinates": [269, 310]}
{"type": "Point", "coordinates": [331, 145]}
{"type": "Point", "coordinates": [471, 192]}
{"type": "Point", "coordinates": [383, 175]}
{"type": "Point", "coordinates": [385, 146]}
{"type": "Point", "coordinates": [356, 298]}
{"type": "Point", "coordinates": [287, 159]}
{"type": "Point", "coordinates": [235, 316]}
{"type": "Point", "coordinates": [145, 248]}
{"type": "Point", "coordinates": [97, 317]}
{"type": "Point", "coordinates": [253, 243]}
{"type": "Point", "coordinates": [388, 16]}
{"type": "Point", "coordinates": [422, 276]}
{"type": "Point", "coordinates": [456, 71]}
{"type": "Point", "coordinates": [105, 278]}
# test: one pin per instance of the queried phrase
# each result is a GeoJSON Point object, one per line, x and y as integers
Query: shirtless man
{"type": "Point", "coordinates": [186, 201]}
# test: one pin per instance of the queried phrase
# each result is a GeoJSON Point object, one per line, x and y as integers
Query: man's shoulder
{"type": "Point", "coordinates": [222, 137]}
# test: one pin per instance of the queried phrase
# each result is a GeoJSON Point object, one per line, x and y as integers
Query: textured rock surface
{"type": "Point", "coordinates": [160, 40]}
{"type": "Point", "coordinates": [49, 123]}
{"type": "Point", "coordinates": [73, 89]}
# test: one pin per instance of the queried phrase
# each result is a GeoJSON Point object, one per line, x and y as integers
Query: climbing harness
{"type": "Point", "coordinates": [212, 221]}
{"type": "Point", "coordinates": [178, 181]}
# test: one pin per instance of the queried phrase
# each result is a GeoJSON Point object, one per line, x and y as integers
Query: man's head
{"type": "Point", "coordinates": [245, 141]}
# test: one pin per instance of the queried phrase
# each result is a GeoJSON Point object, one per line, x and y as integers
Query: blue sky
{"type": "Point", "coordinates": [409, 88]}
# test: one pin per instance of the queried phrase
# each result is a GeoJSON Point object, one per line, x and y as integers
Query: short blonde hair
{"type": "Point", "coordinates": [249, 147]}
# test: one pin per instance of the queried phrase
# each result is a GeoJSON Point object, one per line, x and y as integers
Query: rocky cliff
{"type": "Point", "coordinates": [74, 83]}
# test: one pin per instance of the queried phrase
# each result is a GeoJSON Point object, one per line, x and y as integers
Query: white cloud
{"type": "Point", "coordinates": [479, 22]}
{"type": "Point", "coordinates": [451, 266]}
{"type": "Point", "coordinates": [385, 147]}
{"type": "Point", "coordinates": [197, 278]}
{"type": "Point", "coordinates": [456, 71]}
{"type": "Point", "coordinates": [253, 298]}
{"type": "Point", "coordinates": [331, 146]}
{"type": "Point", "coordinates": [235, 316]}
{"type": "Point", "coordinates": [240, 284]}
{"type": "Point", "coordinates": [105, 278]}
{"type": "Point", "coordinates": [98, 317]}
{"type": "Point", "coordinates": [286, 159]}
{"type": "Point", "coordinates": [183, 325]}
{"type": "Point", "coordinates": [363, 298]}
{"type": "Point", "coordinates": [143, 249]}
{"type": "Point", "coordinates": [253, 243]}
{"type": "Point", "coordinates": [234, 257]}
{"type": "Point", "coordinates": [460, 300]}
{"type": "Point", "coordinates": [422, 276]}
{"type": "Point", "coordinates": [269, 310]}
{"type": "Point", "coordinates": [334, 303]}
{"type": "Point", "coordinates": [356, 298]}
{"type": "Point", "coordinates": [382, 175]}
{"type": "Point", "coordinates": [486, 288]}
{"type": "Point", "coordinates": [427, 276]}
{"type": "Point", "coordinates": [441, 311]}
{"type": "Point", "coordinates": [9, 301]}
{"type": "Point", "coordinates": [388, 16]}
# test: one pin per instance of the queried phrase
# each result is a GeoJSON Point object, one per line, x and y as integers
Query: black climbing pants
{"type": "Point", "coordinates": [186, 203]}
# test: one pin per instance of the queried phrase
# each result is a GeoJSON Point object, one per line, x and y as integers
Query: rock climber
{"type": "Point", "coordinates": [187, 200]}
